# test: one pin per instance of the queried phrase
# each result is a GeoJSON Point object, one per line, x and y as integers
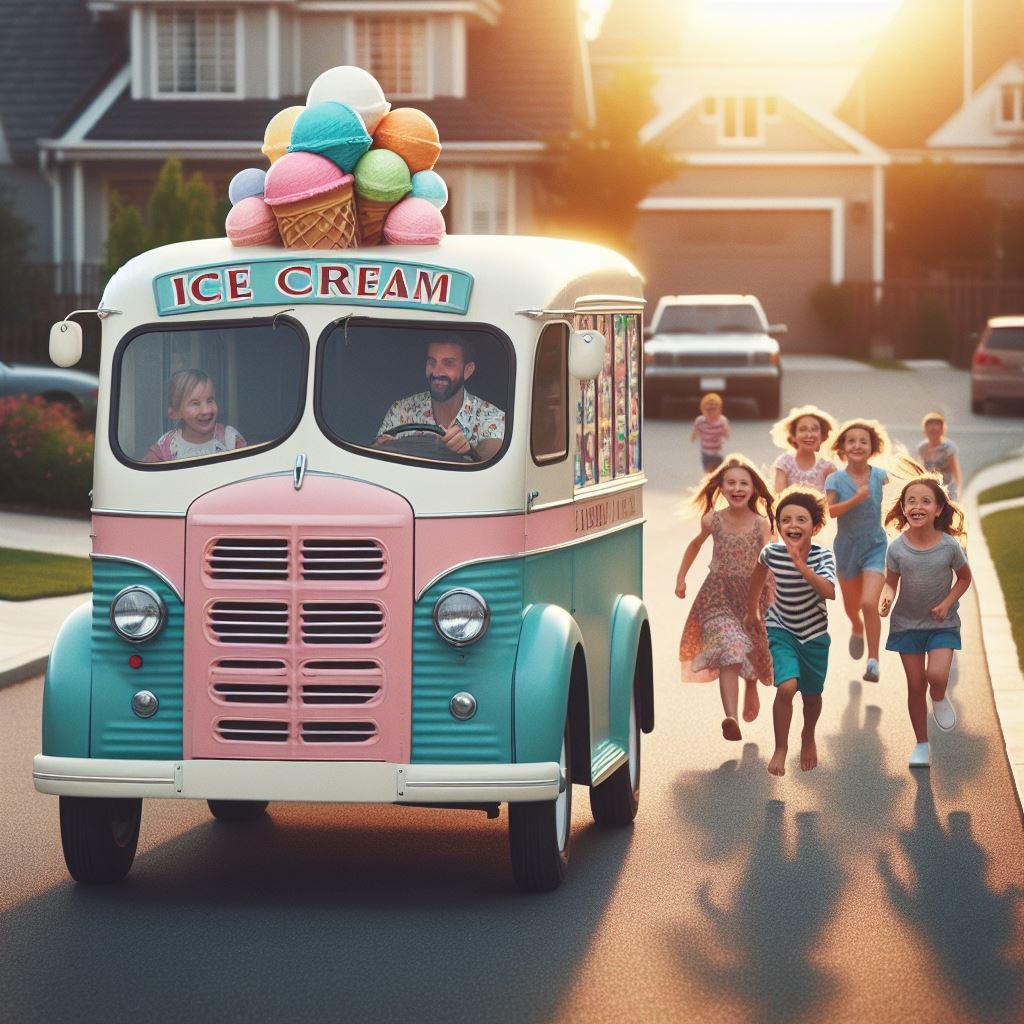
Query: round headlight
{"type": "Point", "coordinates": [461, 617]}
{"type": "Point", "coordinates": [137, 614]}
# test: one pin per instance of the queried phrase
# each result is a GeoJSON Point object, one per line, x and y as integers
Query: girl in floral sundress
{"type": "Point", "coordinates": [714, 642]}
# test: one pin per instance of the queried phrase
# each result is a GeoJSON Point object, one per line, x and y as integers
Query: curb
{"type": "Point", "coordinates": [19, 673]}
{"type": "Point", "coordinates": [1001, 656]}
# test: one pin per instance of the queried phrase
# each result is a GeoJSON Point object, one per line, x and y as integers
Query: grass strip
{"type": "Point", "coordinates": [1004, 533]}
{"type": "Point", "coordinates": [1011, 489]}
{"type": "Point", "coordinates": [26, 575]}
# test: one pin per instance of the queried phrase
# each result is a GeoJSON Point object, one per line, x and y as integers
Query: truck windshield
{"type": "Point", "coordinates": [709, 320]}
{"type": "Point", "coordinates": [197, 392]}
{"type": "Point", "coordinates": [396, 389]}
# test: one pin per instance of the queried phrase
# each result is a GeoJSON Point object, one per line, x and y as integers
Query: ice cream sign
{"type": "Point", "coordinates": [328, 281]}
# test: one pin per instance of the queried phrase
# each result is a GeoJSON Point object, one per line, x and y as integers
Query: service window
{"type": "Point", "coordinates": [549, 424]}
{"type": "Point", "coordinates": [204, 391]}
{"type": "Point", "coordinates": [394, 389]}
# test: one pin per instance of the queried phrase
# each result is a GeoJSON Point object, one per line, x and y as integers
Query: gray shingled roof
{"type": "Point", "coordinates": [53, 58]}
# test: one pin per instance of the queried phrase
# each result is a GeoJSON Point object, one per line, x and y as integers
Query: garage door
{"type": "Point", "coordinates": [777, 255]}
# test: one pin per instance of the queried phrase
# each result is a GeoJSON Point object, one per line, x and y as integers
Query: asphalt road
{"type": "Point", "coordinates": [858, 892]}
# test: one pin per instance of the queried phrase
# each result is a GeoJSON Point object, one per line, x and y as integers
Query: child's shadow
{"type": "Point", "coordinates": [782, 903]}
{"type": "Point", "coordinates": [971, 928]}
{"type": "Point", "coordinates": [725, 804]}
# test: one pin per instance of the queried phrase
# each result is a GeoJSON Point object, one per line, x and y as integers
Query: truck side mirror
{"type": "Point", "coordinates": [586, 354]}
{"type": "Point", "coordinates": [66, 342]}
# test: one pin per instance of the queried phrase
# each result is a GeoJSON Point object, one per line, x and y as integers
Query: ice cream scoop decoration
{"type": "Point", "coordinates": [345, 170]}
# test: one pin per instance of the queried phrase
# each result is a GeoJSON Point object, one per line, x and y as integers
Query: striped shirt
{"type": "Point", "coordinates": [711, 433]}
{"type": "Point", "coordinates": [798, 607]}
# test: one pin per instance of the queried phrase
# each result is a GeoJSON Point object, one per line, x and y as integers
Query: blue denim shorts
{"type": "Point", "coordinates": [921, 641]}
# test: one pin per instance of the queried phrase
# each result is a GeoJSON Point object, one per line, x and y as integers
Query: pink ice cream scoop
{"type": "Point", "coordinates": [414, 222]}
{"type": "Point", "coordinates": [251, 222]}
{"type": "Point", "coordinates": [313, 201]}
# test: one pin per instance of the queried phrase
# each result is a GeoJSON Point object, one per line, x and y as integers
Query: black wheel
{"type": "Point", "coordinates": [768, 405]}
{"type": "Point", "coordinates": [237, 810]}
{"type": "Point", "coordinates": [539, 834]}
{"type": "Point", "coordinates": [99, 836]}
{"type": "Point", "coordinates": [615, 801]}
{"type": "Point", "coordinates": [978, 406]}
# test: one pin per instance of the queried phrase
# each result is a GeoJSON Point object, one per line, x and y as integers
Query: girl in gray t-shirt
{"type": "Point", "coordinates": [927, 564]}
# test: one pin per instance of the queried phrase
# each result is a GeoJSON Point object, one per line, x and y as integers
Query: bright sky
{"type": "Point", "coordinates": [782, 29]}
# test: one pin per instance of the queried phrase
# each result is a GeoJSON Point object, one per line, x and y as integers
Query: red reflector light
{"type": "Point", "coordinates": [135, 661]}
{"type": "Point", "coordinates": [983, 358]}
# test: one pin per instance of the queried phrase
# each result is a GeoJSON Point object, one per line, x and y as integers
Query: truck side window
{"type": "Point", "coordinates": [549, 427]}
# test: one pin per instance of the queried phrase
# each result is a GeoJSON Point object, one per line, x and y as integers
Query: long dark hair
{"type": "Point", "coordinates": [711, 488]}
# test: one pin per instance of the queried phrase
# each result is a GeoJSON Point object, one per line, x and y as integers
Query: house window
{"type": "Point", "coordinates": [740, 120]}
{"type": "Point", "coordinates": [1011, 106]}
{"type": "Point", "coordinates": [196, 52]}
{"type": "Point", "coordinates": [489, 197]}
{"type": "Point", "coordinates": [394, 51]}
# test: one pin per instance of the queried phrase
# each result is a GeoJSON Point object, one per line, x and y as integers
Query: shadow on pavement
{"type": "Point", "coordinates": [313, 914]}
{"type": "Point", "coordinates": [782, 903]}
{"type": "Point", "coordinates": [970, 927]}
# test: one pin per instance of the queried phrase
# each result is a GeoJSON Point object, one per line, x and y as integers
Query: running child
{"type": "Point", "coordinates": [192, 401]}
{"type": "Point", "coordinates": [802, 433]}
{"type": "Point", "coordinates": [797, 622]}
{"type": "Point", "coordinates": [940, 455]}
{"type": "Point", "coordinates": [711, 429]}
{"type": "Point", "coordinates": [715, 643]}
{"type": "Point", "coordinates": [927, 564]}
{"type": "Point", "coordinates": [855, 499]}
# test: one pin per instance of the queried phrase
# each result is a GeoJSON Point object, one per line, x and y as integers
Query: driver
{"type": "Point", "coordinates": [472, 426]}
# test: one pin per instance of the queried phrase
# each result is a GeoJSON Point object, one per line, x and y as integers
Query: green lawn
{"type": "Point", "coordinates": [1004, 533]}
{"type": "Point", "coordinates": [25, 575]}
{"type": "Point", "coordinates": [1013, 489]}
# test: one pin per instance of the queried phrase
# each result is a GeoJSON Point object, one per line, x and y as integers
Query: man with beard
{"type": "Point", "coordinates": [472, 426]}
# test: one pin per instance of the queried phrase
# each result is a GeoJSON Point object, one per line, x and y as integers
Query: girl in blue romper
{"type": "Point", "coordinates": [855, 499]}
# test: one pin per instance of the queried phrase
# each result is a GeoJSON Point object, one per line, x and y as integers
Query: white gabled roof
{"type": "Point", "coordinates": [975, 124]}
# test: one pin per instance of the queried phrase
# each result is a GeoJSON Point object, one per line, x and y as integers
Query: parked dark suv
{"type": "Point", "coordinates": [723, 343]}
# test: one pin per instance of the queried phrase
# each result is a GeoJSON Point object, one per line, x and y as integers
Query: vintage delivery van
{"type": "Point", "coordinates": [339, 597]}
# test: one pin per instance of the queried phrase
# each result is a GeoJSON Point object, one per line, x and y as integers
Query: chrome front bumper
{"type": "Point", "coordinates": [371, 782]}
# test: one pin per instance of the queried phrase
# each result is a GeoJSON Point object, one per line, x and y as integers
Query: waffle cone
{"type": "Point", "coordinates": [326, 221]}
{"type": "Point", "coordinates": [372, 213]}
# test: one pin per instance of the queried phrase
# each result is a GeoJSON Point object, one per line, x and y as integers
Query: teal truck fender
{"type": "Point", "coordinates": [548, 642]}
{"type": "Point", "coordinates": [630, 649]}
{"type": "Point", "coordinates": [67, 690]}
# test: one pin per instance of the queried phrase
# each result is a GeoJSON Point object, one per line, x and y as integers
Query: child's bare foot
{"type": "Point", "coordinates": [731, 729]}
{"type": "Point", "coordinates": [751, 703]}
{"type": "Point", "coordinates": [777, 765]}
{"type": "Point", "coordinates": [808, 754]}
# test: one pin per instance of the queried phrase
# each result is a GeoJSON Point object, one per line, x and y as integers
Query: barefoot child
{"type": "Point", "coordinates": [714, 642]}
{"type": "Point", "coordinates": [802, 433]}
{"type": "Point", "coordinates": [855, 499]}
{"type": "Point", "coordinates": [711, 429]}
{"type": "Point", "coordinates": [192, 401]}
{"type": "Point", "coordinates": [928, 566]}
{"type": "Point", "coordinates": [805, 577]}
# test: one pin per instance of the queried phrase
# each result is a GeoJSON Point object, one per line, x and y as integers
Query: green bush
{"type": "Point", "coordinates": [932, 331]}
{"type": "Point", "coordinates": [45, 457]}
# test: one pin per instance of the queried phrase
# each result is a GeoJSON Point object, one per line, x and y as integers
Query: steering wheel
{"type": "Point", "coordinates": [425, 447]}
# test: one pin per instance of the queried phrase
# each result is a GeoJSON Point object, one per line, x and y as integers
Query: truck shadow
{"type": "Point", "coordinates": [315, 913]}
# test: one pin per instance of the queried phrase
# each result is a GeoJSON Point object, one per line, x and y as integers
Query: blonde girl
{"type": "Point", "coordinates": [192, 402]}
{"type": "Point", "coordinates": [714, 643]}
{"type": "Point", "coordinates": [802, 433]}
{"type": "Point", "coordinates": [854, 496]}
{"type": "Point", "coordinates": [926, 564]}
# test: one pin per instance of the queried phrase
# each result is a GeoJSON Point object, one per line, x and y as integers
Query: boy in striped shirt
{"type": "Point", "coordinates": [711, 430]}
{"type": "Point", "coordinates": [797, 623]}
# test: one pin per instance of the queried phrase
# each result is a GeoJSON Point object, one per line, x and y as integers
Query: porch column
{"type": "Point", "coordinates": [78, 220]}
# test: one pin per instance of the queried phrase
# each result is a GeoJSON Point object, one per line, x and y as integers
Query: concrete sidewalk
{"type": "Point", "coordinates": [28, 628]}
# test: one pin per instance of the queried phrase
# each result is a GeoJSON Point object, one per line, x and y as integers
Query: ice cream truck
{"type": "Point", "coordinates": [367, 526]}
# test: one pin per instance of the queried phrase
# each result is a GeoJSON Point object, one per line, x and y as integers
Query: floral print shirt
{"type": "Point", "coordinates": [478, 419]}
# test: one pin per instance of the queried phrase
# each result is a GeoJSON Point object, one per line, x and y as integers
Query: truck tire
{"type": "Point", "coordinates": [99, 836]}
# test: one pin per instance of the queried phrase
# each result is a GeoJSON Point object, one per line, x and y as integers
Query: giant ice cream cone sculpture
{"type": "Point", "coordinates": [382, 179]}
{"type": "Point", "coordinates": [313, 202]}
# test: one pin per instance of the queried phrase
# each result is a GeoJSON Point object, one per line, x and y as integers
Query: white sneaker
{"type": "Point", "coordinates": [920, 756]}
{"type": "Point", "coordinates": [944, 714]}
{"type": "Point", "coordinates": [871, 671]}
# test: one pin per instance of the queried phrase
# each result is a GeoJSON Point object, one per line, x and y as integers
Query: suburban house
{"type": "Point", "coordinates": [97, 94]}
{"type": "Point", "coordinates": [774, 194]}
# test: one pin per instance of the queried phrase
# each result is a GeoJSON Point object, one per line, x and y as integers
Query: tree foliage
{"type": "Point", "coordinates": [598, 173]}
{"type": "Point", "coordinates": [177, 211]}
{"type": "Point", "coordinates": [20, 283]}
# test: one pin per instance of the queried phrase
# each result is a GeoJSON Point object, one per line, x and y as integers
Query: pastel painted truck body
{"type": "Point", "coordinates": [317, 615]}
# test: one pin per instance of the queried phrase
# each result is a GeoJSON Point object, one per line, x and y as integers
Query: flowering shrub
{"type": "Point", "coordinates": [45, 458]}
